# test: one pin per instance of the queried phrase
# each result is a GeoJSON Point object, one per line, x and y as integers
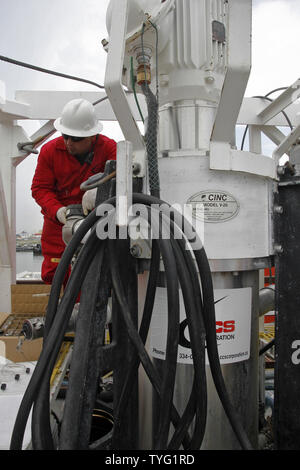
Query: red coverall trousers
{"type": "Point", "coordinates": [56, 183]}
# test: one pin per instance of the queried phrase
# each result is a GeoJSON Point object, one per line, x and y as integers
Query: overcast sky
{"type": "Point", "coordinates": [65, 35]}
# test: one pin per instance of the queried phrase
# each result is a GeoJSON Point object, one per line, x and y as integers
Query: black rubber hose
{"type": "Point", "coordinates": [169, 374]}
{"type": "Point", "coordinates": [266, 348]}
{"type": "Point", "coordinates": [194, 313]}
{"type": "Point", "coordinates": [64, 264]}
{"type": "Point", "coordinates": [163, 387]}
{"type": "Point", "coordinates": [57, 323]}
{"type": "Point", "coordinates": [36, 390]}
{"type": "Point", "coordinates": [84, 368]}
{"type": "Point", "coordinates": [143, 332]}
{"type": "Point", "coordinates": [197, 336]}
{"type": "Point", "coordinates": [144, 327]}
{"type": "Point", "coordinates": [41, 431]}
{"type": "Point", "coordinates": [202, 382]}
{"type": "Point", "coordinates": [192, 301]}
{"type": "Point", "coordinates": [50, 72]}
{"type": "Point", "coordinates": [209, 317]}
{"type": "Point", "coordinates": [149, 200]}
{"type": "Point", "coordinates": [212, 349]}
{"type": "Point", "coordinates": [133, 334]}
{"type": "Point", "coordinates": [51, 347]}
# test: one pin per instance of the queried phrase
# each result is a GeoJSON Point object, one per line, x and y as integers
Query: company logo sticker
{"type": "Point", "coordinates": [214, 206]}
{"type": "Point", "coordinates": [233, 327]}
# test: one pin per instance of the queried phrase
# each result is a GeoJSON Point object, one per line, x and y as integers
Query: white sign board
{"type": "Point", "coordinates": [233, 326]}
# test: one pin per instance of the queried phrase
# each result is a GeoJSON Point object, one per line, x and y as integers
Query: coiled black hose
{"type": "Point", "coordinates": [181, 269]}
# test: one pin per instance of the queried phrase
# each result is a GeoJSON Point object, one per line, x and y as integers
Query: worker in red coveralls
{"type": "Point", "coordinates": [63, 164]}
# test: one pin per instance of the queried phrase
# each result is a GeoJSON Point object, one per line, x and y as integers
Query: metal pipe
{"type": "Point", "coordinates": [266, 299]}
{"type": "Point", "coordinates": [33, 328]}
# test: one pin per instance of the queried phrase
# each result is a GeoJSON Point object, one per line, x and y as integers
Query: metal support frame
{"type": "Point", "coordinates": [274, 134]}
{"type": "Point", "coordinates": [113, 82]}
{"type": "Point", "coordinates": [287, 322]}
{"type": "Point", "coordinates": [10, 135]}
{"type": "Point", "coordinates": [223, 156]}
{"type": "Point", "coordinates": [31, 106]}
{"type": "Point", "coordinates": [6, 255]}
{"type": "Point", "coordinates": [286, 144]}
{"type": "Point", "coordinates": [126, 425]}
{"type": "Point", "coordinates": [289, 96]}
{"type": "Point", "coordinates": [238, 71]}
{"type": "Point", "coordinates": [124, 183]}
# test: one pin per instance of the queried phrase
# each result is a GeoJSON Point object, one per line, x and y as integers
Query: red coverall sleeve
{"type": "Point", "coordinates": [43, 186]}
{"type": "Point", "coordinates": [111, 150]}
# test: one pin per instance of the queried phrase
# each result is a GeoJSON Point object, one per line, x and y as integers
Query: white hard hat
{"type": "Point", "coordinates": [78, 119]}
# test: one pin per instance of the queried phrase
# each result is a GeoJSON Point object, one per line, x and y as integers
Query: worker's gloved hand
{"type": "Point", "coordinates": [89, 200]}
{"type": "Point", "coordinates": [61, 215]}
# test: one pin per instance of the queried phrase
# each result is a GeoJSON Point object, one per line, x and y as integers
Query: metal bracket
{"type": "Point", "coordinates": [286, 144]}
{"type": "Point", "coordinates": [115, 90]}
{"type": "Point", "coordinates": [27, 147]}
{"type": "Point", "coordinates": [124, 182]}
{"type": "Point", "coordinates": [281, 102]}
{"type": "Point", "coordinates": [113, 76]}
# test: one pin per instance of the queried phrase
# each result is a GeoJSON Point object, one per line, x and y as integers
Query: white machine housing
{"type": "Point", "coordinates": [199, 53]}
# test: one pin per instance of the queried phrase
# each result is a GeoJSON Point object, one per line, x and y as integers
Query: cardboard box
{"type": "Point", "coordinates": [27, 300]}
{"type": "Point", "coordinates": [30, 298]}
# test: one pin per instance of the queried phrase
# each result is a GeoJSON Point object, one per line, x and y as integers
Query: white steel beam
{"type": "Point", "coordinates": [114, 72]}
{"type": "Point", "coordinates": [48, 104]}
{"type": "Point", "coordinates": [5, 248]}
{"type": "Point", "coordinates": [255, 139]}
{"type": "Point", "coordinates": [280, 103]}
{"type": "Point", "coordinates": [10, 135]}
{"type": "Point", "coordinates": [251, 108]}
{"type": "Point", "coordinates": [285, 145]}
{"type": "Point", "coordinates": [7, 254]}
{"type": "Point", "coordinates": [238, 70]}
{"type": "Point", "coordinates": [273, 133]}
{"type": "Point", "coordinates": [12, 110]}
{"type": "Point", "coordinates": [227, 159]}
{"type": "Point", "coordinates": [124, 183]}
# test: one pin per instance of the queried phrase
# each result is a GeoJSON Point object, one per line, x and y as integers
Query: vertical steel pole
{"type": "Point", "coordinates": [287, 326]}
{"type": "Point", "coordinates": [126, 432]}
